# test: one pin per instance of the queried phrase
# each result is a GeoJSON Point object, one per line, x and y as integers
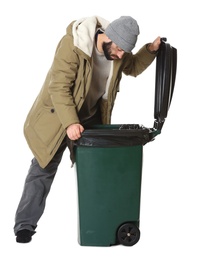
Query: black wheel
{"type": "Point", "coordinates": [128, 234]}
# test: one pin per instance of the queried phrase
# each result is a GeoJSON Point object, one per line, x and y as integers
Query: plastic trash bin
{"type": "Point", "coordinates": [108, 161]}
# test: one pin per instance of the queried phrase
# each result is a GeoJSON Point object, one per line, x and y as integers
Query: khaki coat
{"type": "Point", "coordinates": [67, 84]}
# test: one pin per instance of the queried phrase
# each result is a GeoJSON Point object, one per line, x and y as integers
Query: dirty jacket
{"type": "Point", "coordinates": [67, 84]}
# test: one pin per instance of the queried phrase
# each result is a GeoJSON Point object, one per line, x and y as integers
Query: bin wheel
{"type": "Point", "coordinates": [128, 234]}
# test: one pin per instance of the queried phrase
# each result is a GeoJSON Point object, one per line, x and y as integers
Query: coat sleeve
{"type": "Point", "coordinates": [62, 77]}
{"type": "Point", "coordinates": [135, 64]}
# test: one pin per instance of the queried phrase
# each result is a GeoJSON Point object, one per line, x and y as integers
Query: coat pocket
{"type": "Point", "coordinates": [47, 125]}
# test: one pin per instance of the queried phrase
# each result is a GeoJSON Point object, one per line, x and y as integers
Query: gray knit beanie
{"type": "Point", "coordinates": [123, 32]}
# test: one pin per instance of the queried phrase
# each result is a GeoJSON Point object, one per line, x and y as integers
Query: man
{"type": "Point", "coordinates": [79, 91]}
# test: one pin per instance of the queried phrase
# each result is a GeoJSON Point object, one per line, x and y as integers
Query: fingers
{"type": "Point", "coordinates": [157, 43]}
{"type": "Point", "coordinates": [74, 131]}
{"type": "Point", "coordinates": [154, 46]}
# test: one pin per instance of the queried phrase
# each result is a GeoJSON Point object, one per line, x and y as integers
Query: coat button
{"type": "Point", "coordinates": [52, 110]}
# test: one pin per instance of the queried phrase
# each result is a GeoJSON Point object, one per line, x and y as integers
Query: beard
{"type": "Point", "coordinates": [106, 46]}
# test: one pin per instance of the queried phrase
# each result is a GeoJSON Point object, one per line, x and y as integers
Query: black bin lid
{"type": "Point", "coordinates": [166, 63]}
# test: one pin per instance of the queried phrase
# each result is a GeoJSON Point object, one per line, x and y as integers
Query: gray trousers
{"type": "Point", "coordinates": [37, 186]}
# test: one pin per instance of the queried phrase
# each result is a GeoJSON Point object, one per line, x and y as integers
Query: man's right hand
{"type": "Point", "coordinates": [74, 131]}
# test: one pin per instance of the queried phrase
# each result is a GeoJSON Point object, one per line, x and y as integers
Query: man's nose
{"type": "Point", "coordinates": [120, 54]}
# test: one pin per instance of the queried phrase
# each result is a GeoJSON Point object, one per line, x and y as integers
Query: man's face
{"type": "Point", "coordinates": [112, 51]}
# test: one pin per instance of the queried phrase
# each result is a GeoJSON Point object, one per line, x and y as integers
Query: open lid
{"type": "Point", "coordinates": [166, 63]}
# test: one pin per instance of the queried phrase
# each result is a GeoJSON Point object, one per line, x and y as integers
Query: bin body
{"type": "Point", "coordinates": [109, 188]}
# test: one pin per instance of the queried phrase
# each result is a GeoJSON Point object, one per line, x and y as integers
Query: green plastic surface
{"type": "Point", "coordinates": [109, 188]}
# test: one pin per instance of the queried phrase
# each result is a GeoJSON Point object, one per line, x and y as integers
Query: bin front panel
{"type": "Point", "coordinates": [109, 188]}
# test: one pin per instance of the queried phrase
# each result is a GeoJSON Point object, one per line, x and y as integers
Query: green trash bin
{"type": "Point", "coordinates": [109, 170]}
{"type": "Point", "coordinates": [108, 161]}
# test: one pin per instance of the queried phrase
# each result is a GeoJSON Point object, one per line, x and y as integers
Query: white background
{"type": "Point", "coordinates": [30, 31]}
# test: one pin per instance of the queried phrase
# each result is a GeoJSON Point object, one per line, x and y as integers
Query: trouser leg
{"type": "Point", "coordinates": [37, 186]}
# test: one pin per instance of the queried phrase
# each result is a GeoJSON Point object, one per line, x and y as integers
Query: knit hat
{"type": "Point", "coordinates": [123, 32]}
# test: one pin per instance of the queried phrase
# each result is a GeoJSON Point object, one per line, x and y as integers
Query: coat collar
{"type": "Point", "coordinates": [84, 30]}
